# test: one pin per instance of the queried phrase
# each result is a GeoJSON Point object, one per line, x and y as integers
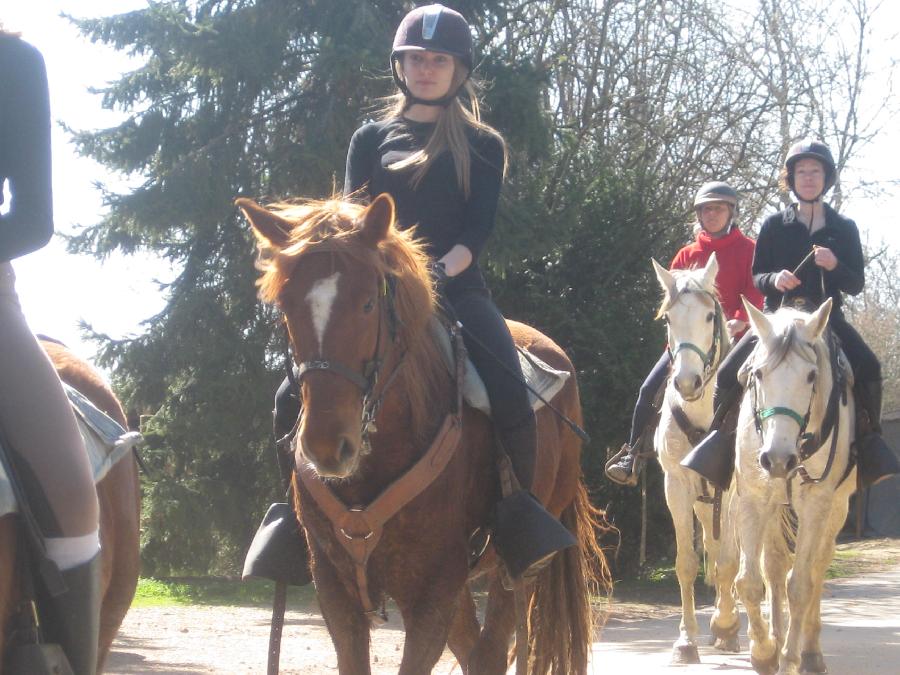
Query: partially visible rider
{"type": "Point", "coordinates": [37, 421]}
{"type": "Point", "coordinates": [807, 227]}
{"type": "Point", "coordinates": [715, 206]}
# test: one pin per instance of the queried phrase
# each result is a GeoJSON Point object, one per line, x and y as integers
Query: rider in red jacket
{"type": "Point", "coordinates": [715, 205]}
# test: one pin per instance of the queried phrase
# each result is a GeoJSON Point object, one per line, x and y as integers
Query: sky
{"type": "Point", "coordinates": [57, 289]}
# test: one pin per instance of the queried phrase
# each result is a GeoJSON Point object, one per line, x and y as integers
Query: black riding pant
{"type": "Point", "coordinates": [643, 409]}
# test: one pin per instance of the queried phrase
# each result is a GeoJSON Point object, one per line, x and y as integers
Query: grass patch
{"type": "Point", "coordinates": [659, 584]}
{"type": "Point", "coordinates": [215, 591]}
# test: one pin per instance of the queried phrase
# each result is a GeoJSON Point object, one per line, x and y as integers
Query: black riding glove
{"type": "Point", "coordinates": [439, 277]}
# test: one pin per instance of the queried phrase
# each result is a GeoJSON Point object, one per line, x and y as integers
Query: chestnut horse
{"type": "Point", "coordinates": [356, 296]}
{"type": "Point", "coordinates": [119, 496]}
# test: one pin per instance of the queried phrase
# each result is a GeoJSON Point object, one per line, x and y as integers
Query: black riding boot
{"type": "Point", "coordinates": [72, 619]}
{"type": "Point", "coordinates": [279, 550]}
{"type": "Point", "coordinates": [526, 536]}
{"type": "Point", "coordinates": [876, 460]}
{"type": "Point", "coordinates": [713, 458]}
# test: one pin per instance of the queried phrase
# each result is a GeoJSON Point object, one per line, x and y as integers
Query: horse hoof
{"type": "Point", "coordinates": [812, 662]}
{"type": "Point", "coordinates": [767, 666]}
{"type": "Point", "coordinates": [732, 644]}
{"type": "Point", "coordinates": [686, 654]}
{"type": "Point", "coordinates": [726, 639]}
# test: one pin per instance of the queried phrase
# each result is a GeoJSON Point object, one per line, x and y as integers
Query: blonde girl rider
{"type": "Point", "coordinates": [444, 168]}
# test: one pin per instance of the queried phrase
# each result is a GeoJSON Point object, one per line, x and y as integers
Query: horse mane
{"type": "Point", "coordinates": [686, 281]}
{"type": "Point", "coordinates": [332, 226]}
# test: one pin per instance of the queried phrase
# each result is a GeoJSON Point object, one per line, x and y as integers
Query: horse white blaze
{"type": "Point", "coordinates": [321, 299]}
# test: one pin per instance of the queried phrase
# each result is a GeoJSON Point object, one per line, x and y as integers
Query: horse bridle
{"type": "Point", "coordinates": [368, 380]}
{"type": "Point", "coordinates": [708, 357]}
{"type": "Point", "coordinates": [808, 442]}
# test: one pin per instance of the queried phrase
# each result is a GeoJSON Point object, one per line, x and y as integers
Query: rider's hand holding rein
{"type": "Point", "coordinates": [825, 258]}
{"type": "Point", "coordinates": [786, 281]}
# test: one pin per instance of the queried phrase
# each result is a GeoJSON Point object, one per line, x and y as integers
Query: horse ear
{"type": "Point", "coordinates": [710, 272]}
{"type": "Point", "coordinates": [819, 319]}
{"type": "Point", "coordinates": [758, 321]}
{"type": "Point", "coordinates": [267, 226]}
{"type": "Point", "coordinates": [377, 219]}
{"type": "Point", "coordinates": [666, 280]}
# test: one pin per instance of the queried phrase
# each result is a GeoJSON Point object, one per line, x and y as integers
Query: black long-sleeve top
{"type": "Point", "coordinates": [438, 208]}
{"type": "Point", "coordinates": [24, 149]}
{"type": "Point", "coordinates": [784, 242]}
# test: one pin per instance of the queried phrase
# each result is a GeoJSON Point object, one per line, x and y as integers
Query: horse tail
{"type": "Point", "coordinates": [561, 616]}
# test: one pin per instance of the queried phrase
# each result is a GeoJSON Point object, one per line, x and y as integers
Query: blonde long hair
{"type": "Point", "coordinates": [449, 131]}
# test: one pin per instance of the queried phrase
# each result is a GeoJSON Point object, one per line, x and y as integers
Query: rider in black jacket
{"type": "Point", "coordinates": [807, 228]}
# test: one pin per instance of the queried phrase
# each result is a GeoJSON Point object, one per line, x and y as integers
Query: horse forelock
{"type": "Point", "coordinates": [333, 226]}
{"type": "Point", "coordinates": [686, 281]}
{"type": "Point", "coordinates": [785, 339]}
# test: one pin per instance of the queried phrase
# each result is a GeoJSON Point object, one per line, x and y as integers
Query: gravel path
{"type": "Point", "coordinates": [861, 633]}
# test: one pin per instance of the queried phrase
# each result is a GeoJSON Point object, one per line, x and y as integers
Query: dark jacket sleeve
{"type": "Point", "coordinates": [485, 180]}
{"type": "Point", "coordinates": [25, 144]}
{"type": "Point", "coordinates": [360, 156]}
{"type": "Point", "coordinates": [763, 259]}
{"type": "Point", "coordinates": [849, 275]}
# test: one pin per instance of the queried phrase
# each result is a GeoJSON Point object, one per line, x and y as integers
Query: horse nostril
{"type": "Point", "coordinates": [765, 462]}
{"type": "Point", "coordinates": [697, 382]}
{"type": "Point", "coordinates": [677, 385]}
{"type": "Point", "coordinates": [345, 452]}
{"type": "Point", "coordinates": [792, 463]}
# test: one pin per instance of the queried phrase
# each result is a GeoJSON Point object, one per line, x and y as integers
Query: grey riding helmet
{"type": "Point", "coordinates": [717, 191]}
{"type": "Point", "coordinates": [433, 28]}
{"type": "Point", "coordinates": [811, 149]}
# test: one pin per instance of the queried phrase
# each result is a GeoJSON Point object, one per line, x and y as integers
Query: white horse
{"type": "Point", "coordinates": [698, 341]}
{"type": "Point", "coordinates": [793, 486]}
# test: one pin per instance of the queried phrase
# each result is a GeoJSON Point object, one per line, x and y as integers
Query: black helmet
{"type": "Point", "coordinates": [434, 28]}
{"type": "Point", "coordinates": [810, 149]}
{"type": "Point", "coordinates": [437, 29]}
{"type": "Point", "coordinates": [716, 191]}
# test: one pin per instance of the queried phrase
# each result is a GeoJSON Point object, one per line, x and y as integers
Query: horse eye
{"type": "Point", "coordinates": [811, 377]}
{"type": "Point", "coordinates": [710, 316]}
{"type": "Point", "coordinates": [369, 306]}
{"type": "Point", "coordinates": [757, 374]}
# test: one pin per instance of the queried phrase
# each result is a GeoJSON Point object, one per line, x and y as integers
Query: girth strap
{"type": "Point", "coordinates": [359, 529]}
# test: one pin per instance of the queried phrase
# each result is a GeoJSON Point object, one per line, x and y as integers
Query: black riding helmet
{"type": "Point", "coordinates": [717, 191]}
{"type": "Point", "coordinates": [810, 149]}
{"type": "Point", "coordinates": [433, 28]}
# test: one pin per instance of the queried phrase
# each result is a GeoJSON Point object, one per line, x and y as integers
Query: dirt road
{"type": "Point", "coordinates": [860, 636]}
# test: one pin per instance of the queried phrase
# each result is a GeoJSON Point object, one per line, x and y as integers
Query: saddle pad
{"type": "Point", "coordinates": [106, 442]}
{"type": "Point", "coordinates": [540, 376]}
